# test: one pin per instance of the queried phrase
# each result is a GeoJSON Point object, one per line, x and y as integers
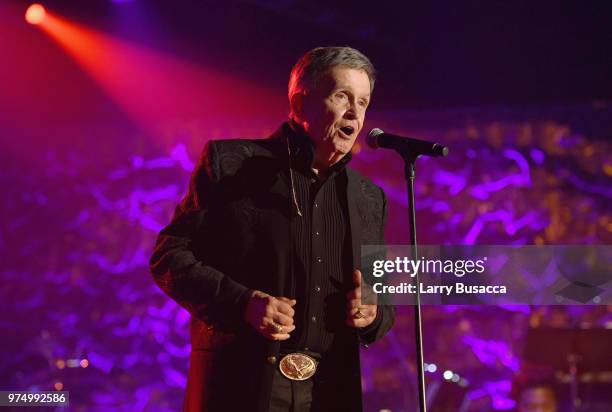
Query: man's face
{"type": "Point", "coordinates": [334, 113]}
{"type": "Point", "coordinates": [539, 399]}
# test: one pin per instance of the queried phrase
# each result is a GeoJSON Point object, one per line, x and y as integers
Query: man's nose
{"type": "Point", "coordinates": [351, 112]}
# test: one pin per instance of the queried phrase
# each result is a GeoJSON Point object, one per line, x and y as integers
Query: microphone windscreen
{"type": "Point", "coordinates": [372, 138]}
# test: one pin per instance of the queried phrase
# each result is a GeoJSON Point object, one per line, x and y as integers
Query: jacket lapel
{"type": "Point", "coordinates": [353, 194]}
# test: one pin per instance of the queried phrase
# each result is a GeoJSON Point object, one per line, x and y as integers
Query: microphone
{"type": "Point", "coordinates": [404, 145]}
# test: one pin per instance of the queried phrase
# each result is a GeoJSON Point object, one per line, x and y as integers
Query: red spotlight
{"type": "Point", "coordinates": [35, 14]}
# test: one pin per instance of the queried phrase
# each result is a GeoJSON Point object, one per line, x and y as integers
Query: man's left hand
{"type": "Point", "coordinates": [358, 315]}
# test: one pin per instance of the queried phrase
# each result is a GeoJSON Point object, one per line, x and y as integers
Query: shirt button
{"type": "Point", "coordinates": [313, 180]}
{"type": "Point", "coordinates": [317, 233]}
{"type": "Point", "coordinates": [317, 288]}
{"type": "Point", "coordinates": [314, 319]}
{"type": "Point", "coordinates": [316, 204]}
{"type": "Point", "coordinates": [318, 259]}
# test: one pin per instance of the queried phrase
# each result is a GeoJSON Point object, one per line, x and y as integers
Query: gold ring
{"type": "Point", "coordinates": [277, 327]}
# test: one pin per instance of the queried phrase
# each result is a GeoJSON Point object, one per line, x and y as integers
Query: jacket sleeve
{"type": "Point", "coordinates": [201, 289]}
{"type": "Point", "coordinates": [385, 314]}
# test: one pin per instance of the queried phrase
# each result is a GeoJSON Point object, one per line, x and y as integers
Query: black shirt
{"type": "Point", "coordinates": [322, 260]}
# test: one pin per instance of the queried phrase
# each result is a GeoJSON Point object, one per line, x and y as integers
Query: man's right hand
{"type": "Point", "coordinates": [270, 316]}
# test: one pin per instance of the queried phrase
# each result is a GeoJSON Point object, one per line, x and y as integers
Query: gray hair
{"type": "Point", "coordinates": [316, 63]}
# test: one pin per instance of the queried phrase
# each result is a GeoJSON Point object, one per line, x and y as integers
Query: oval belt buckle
{"type": "Point", "coordinates": [297, 366]}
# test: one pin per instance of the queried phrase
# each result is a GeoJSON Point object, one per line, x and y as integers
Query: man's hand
{"type": "Point", "coordinates": [358, 315]}
{"type": "Point", "coordinates": [271, 317]}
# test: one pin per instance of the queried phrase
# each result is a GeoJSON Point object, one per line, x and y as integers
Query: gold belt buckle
{"type": "Point", "coordinates": [297, 366]}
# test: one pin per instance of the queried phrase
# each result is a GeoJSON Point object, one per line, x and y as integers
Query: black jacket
{"type": "Point", "coordinates": [230, 234]}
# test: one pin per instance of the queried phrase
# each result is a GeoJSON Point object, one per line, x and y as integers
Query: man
{"type": "Point", "coordinates": [264, 252]}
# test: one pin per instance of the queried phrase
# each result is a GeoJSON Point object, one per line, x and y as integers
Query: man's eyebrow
{"type": "Point", "coordinates": [347, 88]}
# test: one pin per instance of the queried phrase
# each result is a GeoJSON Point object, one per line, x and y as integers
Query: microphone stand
{"type": "Point", "coordinates": [410, 150]}
{"type": "Point", "coordinates": [409, 161]}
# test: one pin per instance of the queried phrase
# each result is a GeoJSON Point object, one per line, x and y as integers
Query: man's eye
{"type": "Point", "coordinates": [341, 95]}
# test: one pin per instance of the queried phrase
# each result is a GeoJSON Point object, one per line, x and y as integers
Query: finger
{"type": "Point", "coordinates": [282, 319]}
{"type": "Point", "coordinates": [357, 278]}
{"type": "Point", "coordinates": [279, 336]}
{"type": "Point", "coordinates": [368, 296]}
{"type": "Point", "coordinates": [352, 294]}
{"type": "Point", "coordinates": [358, 323]}
{"type": "Point", "coordinates": [272, 329]}
{"type": "Point", "coordinates": [367, 312]}
{"type": "Point", "coordinates": [284, 308]}
{"type": "Point", "coordinates": [353, 311]}
{"type": "Point", "coordinates": [273, 335]}
{"type": "Point", "coordinates": [288, 329]}
{"type": "Point", "coordinates": [270, 324]}
{"type": "Point", "coordinates": [291, 302]}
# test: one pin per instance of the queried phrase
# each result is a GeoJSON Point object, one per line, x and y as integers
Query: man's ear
{"type": "Point", "coordinates": [297, 106]}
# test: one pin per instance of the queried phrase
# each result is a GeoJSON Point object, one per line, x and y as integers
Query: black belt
{"type": "Point", "coordinates": [286, 351]}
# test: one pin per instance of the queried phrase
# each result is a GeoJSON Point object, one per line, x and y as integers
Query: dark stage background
{"type": "Point", "coordinates": [105, 107]}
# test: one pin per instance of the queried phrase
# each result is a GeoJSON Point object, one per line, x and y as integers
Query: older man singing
{"type": "Point", "coordinates": [264, 252]}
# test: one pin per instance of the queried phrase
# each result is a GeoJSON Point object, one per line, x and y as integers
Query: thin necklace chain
{"type": "Point", "coordinates": [295, 202]}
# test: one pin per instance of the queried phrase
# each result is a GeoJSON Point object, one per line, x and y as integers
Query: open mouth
{"type": "Point", "coordinates": [347, 130]}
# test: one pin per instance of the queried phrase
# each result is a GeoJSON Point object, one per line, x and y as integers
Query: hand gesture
{"type": "Point", "coordinates": [358, 315]}
{"type": "Point", "coordinates": [270, 316]}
